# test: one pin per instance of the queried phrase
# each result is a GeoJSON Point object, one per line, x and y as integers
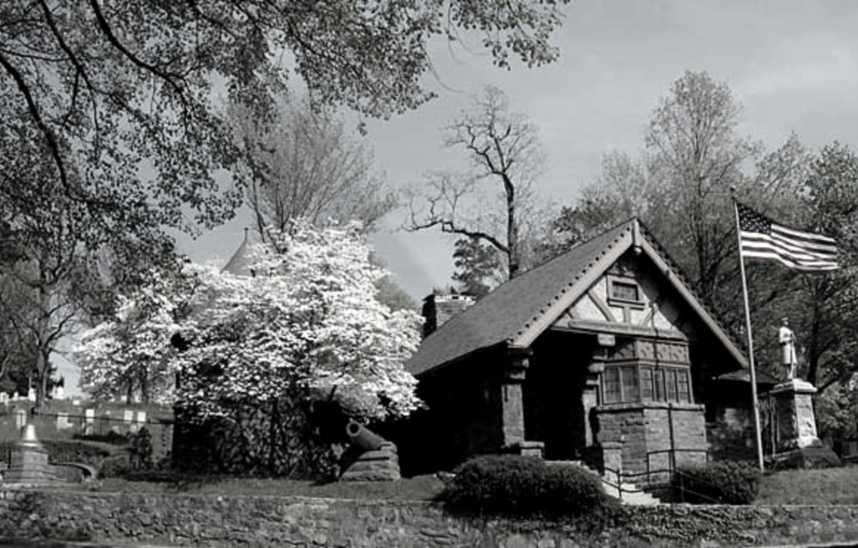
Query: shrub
{"type": "Point", "coordinates": [68, 451]}
{"type": "Point", "coordinates": [115, 467]}
{"type": "Point", "coordinates": [141, 449]}
{"type": "Point", "coordinates": [523, 487]}
{"type": "Point", "coordinates": [723, 482]}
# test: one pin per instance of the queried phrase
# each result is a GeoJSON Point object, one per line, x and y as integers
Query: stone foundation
{"type": "Point", "coordinates": [652, 434]}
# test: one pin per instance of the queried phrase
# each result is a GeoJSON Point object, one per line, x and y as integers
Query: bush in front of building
{"type": "Point", "coordinates": [722, 482]}
{"type": "Point", "coordinates": [523, 487]}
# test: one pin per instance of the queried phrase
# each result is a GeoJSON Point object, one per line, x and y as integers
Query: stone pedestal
{"type": "Point", "coordinates": [796, 443]}
{"type": "Point", "coordinates": [381, 464]}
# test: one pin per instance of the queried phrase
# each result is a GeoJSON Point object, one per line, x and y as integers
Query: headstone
{"type": "Point", "coordinates": [89, 422]}
{"type": "Point", "coordinates": [141, 417]}
{"type": "Point", "coordinates": [31, 394]}
{"type": "Point", "coordinates": [63, 421]}
{"type": "Point", "coordinates": [20, 418]}
{"type": "Point", "coordinates": [4, 398]}
{"type": "Point", "coordinates": [128, 416]}
{"type": "Point", "coordinates": [796, 441]}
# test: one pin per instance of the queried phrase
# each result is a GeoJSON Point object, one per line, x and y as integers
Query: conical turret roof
{"type": "Point", "coordinates": [241, 263]}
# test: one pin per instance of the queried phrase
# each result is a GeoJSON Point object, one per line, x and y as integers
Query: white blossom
{"type": "Point", "coordinates": [309, 322]}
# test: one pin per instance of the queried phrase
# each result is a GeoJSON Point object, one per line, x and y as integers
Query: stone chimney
{"type": "Point", "coordinates": [437, 309]}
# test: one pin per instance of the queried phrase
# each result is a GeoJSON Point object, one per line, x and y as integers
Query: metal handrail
{"type": "Point", "coordinates": [632, 476]}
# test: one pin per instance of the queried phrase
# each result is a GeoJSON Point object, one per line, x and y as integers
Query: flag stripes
{"type": "Point", "coordinates": [763, 239]}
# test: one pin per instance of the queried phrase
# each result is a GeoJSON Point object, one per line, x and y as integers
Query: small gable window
{"type": "Point", "coordinates": [624, 292]}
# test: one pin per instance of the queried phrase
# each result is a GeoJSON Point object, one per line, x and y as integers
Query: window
{"type": "Point", "coordinates": [611, 384]}
{"type": "Point", "coordinates": [659, 385]}
{"type": "Point", "coordinates": [647, 390]}
{"type": "Point", "coordinates": [629, 377]}
{"type": "Point", "coordinates": [624, 291]}
{"type": "Point", "coordinates": [635, 383]}
{"type": "Point", "coordinates": [670, 384]}
{"type": "Point", "coordinates": [682, 388]}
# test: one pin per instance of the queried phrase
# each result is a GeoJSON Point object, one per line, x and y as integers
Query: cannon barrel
{"type": "Point", "coordinates": [363, 437]}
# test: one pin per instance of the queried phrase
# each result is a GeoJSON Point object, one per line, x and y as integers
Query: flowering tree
{"type": "Point", "coordinates": [259, 352]}
{"type": "Point", "coordinates": [309, 322]}
{"type": "Point", "coordinates": [131, 354]}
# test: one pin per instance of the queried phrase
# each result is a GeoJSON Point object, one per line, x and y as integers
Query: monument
{"type": "Point", "coordinates": [28, 461]}
{"type": "Point", "coordinates": [796, 444]}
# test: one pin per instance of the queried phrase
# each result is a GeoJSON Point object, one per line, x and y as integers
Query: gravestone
{"type": "Point", "coordinates": [20, 418]}
{"type": "Point", "coordinates": [63, 421]}
{"type": "Point", "coordinates": [796, 442]}
{"type": "Point", "coordinates": [89, 422]}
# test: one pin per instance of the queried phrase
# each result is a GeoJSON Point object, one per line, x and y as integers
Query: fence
{"type": "Point", "coordinates": [90, 422]}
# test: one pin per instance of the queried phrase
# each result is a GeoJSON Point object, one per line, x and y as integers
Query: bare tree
{"type": "Point", "coordinates": [306, 164]}
{"type": "Point", "coordinates": [493, 201]}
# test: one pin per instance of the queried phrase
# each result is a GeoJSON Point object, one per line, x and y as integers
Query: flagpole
{"type": "Point", "coordinates": [757, 433]}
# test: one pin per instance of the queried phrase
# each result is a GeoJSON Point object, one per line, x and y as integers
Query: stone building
{"type": "Point", "coordinates": [602, 348]}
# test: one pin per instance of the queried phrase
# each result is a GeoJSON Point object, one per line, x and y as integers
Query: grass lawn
{"type": "Point", "coordinates": [418, 488]}
{"type": "Point", "coordinates": [821, 487]}
{"type": "Point", "coordinates": [811, 487]}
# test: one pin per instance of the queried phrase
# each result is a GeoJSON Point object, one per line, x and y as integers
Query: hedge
{"type": "Point", "coordinates": [722, 482]}
{"type": "Point", "coordinates": [524, 487]}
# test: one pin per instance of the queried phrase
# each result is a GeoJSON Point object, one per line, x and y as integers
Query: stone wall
{"type": "Point", "coordinates": [649, 433]}
{"type": "Point", "coordinates": [285, 521]}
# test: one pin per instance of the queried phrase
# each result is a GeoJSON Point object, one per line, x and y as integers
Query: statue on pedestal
{"type": "Point", "coordinates": [795, 440]}
{"type": "Point", "coordinates": [786, 338]}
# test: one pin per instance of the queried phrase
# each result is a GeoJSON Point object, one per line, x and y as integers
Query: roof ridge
{"type": "Point", "coordinates": [578, 275]}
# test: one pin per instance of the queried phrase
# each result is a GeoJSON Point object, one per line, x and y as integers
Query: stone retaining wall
{"type": "Point", "coordinates": [187, 520]}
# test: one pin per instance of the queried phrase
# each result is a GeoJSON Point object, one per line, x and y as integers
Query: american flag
{"type": "Point", "coordinates": [761, 238]}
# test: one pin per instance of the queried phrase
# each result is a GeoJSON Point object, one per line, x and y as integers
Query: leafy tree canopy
{"type": "Point", "coordinates": [125, 90]}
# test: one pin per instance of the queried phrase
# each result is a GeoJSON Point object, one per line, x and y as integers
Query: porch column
{"type": "Point", "coordinates": [590, 396]}
{"type": "Point", "coordinates": [512, 401]}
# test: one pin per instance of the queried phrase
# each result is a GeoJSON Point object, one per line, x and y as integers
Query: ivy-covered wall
{"type": "Point", "coordinates": [187, 520]}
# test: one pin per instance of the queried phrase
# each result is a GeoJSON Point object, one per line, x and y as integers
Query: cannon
{"type": "Point", "coordinates": [362, 437]}
{"type": "Point", "coordinates": [371, 457]}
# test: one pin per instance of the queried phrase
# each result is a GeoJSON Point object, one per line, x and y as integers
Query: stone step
{"type": "Point", "coordinates": [631, 495]}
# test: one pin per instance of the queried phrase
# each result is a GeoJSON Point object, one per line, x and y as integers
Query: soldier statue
{"type": "Point", "coordinates": [786, 338]}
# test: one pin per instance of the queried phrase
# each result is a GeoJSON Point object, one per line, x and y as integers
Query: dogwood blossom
{"type": "Point", "coordinates": [308, 325]}
{"type": "Point", "coordinates": [130, 354]}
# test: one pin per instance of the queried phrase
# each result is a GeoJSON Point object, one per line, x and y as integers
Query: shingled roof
{"type": "Point", "coordinates": [518, 311]}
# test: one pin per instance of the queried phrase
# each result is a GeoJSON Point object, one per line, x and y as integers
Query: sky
{"type": "Point", "coordinates": [793, 66]}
